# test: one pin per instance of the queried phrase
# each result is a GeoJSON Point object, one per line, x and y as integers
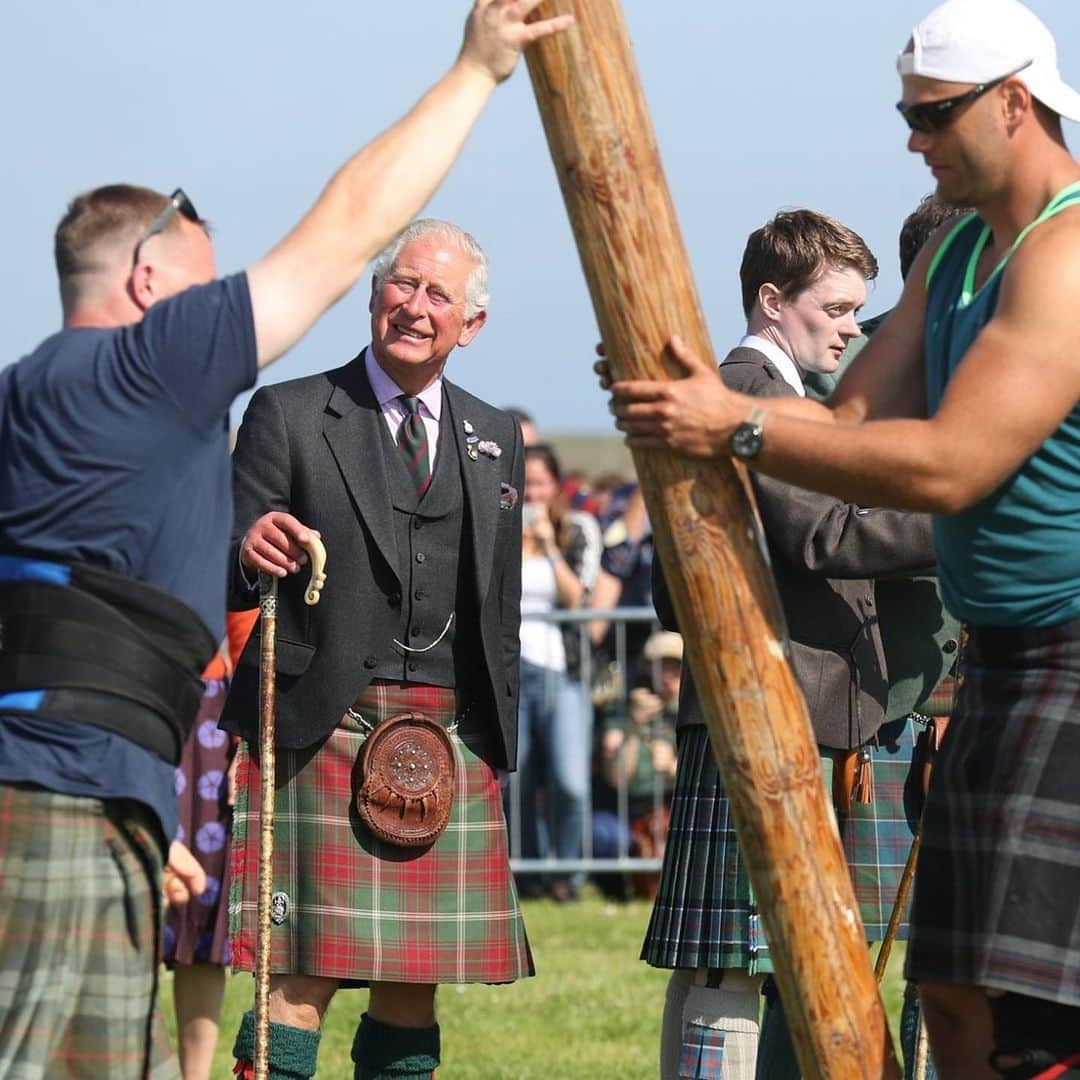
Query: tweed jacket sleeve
{"type": "Point", "coordinates": [818, 533]}
{"type": "Point", "coordinates": [261, 482]}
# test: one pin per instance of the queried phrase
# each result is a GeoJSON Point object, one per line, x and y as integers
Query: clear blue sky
{"type": "Point", "coordinates": [250, 106]}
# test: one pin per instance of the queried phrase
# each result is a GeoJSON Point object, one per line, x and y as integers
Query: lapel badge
{"type": "Point", "coordinates": [508, 496]}
{"type": "Point", "coordinates": [492, 449]}
{"type": "Point", "coordinates": [471, 451]}
{"type": "Point", "coordinates": [467, 425]}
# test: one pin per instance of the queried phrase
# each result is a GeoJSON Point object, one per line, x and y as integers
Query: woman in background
{"type": "Point", "coordinates": [560, 562]}
{"type": "Point", "coordinates": [197, 934]}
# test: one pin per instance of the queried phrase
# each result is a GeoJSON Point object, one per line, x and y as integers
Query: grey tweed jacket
{"type": "Point", "coordinates": [825, 555]}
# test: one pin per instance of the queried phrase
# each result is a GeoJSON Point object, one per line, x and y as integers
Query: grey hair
{"type": "Point", "coordinates": [477, 296]}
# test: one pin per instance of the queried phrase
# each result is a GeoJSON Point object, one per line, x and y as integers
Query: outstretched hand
{"type": "Point", "coordinates": [496, 32]}
{"type": "Point", "coordinates": [274, 544]}
{"type": "Point", "coordinates": [694, 415]}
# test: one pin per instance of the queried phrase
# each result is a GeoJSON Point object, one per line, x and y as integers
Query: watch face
{"type": "Point", "coordinates": [746, 441]}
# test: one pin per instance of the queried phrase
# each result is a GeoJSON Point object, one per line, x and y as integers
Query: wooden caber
{"type": "Point", "coordinates": [711, 545]}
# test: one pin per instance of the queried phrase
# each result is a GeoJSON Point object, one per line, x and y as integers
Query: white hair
{"type": "Point", "coordinates": [477, 296]}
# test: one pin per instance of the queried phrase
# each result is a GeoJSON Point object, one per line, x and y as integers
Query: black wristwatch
{"type": "Point", "coordinates": [748, 437]}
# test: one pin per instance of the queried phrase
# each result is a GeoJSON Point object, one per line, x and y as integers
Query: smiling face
{"type": "Point", "coordinates": [418, 311]}
{"type": "Point", "coordinates": [815, 325]}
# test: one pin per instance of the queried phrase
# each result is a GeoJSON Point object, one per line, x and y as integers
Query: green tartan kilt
{"type": "Point", "coordinates": [353, 908]}
{"type": "Point", "coordinates": [705, 914]}
{"type": "Point", "coordinates": [80, 929]}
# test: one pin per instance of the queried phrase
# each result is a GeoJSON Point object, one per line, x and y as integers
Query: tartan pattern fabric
{"type": "Point", "coordinates": [412, 442]}
{"type": "Point", "coordinates": [998, 884]}
{"type": "Point", "coordinates": [702, 1056]}
{"type": "Point", "coordinates": [80, 918]}
{"type": "Point", "coordinates": [940, 702]}
{"type": "Point", "coordinates": [359, 909]}
{"type": "Point", "coordinates": [877, 836]}
{"type": "Point", "coordinates": [705, 914]}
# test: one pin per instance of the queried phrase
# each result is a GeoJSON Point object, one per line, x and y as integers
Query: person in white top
{"type": "Point", "coordinates": [560, 562]}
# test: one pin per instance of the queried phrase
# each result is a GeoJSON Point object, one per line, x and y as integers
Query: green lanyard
{"type": "Point", "coordinates": [1056, 204]}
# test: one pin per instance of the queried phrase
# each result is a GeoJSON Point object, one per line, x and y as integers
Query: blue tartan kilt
{"type": "Point", "coordinates": [705, 914]}
{"type": "Point", "coordinates": [997, 890]}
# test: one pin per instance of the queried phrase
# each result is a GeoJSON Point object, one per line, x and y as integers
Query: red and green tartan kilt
{"type": "Point", "coordinates": [80, 921]}
{"type": "Point", "coordinates": [357, 909]}
{"type": "Point", "coordinates": [705, 914]}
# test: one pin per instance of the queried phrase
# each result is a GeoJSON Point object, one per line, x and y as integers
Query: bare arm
{"type": "Point", "coordinates": [377, 192]}
{"type": "Point", "coordinates": [1014, 387]}
{"type": "Point", "coordinates": [1016, 384]}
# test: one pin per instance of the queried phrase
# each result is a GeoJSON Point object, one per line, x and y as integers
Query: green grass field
{"type": "Point", "coordinates": [593, 1011]}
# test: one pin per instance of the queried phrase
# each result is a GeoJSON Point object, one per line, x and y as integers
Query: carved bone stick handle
{"type": "Point", "coordinates": [317, 554]}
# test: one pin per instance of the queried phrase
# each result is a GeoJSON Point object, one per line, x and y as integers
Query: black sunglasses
{"type": "Point", "coordinates": [179, 203]}
{"type": "Point", "coordinates": [930, 116]}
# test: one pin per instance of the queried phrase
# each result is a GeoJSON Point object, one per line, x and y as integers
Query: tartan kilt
{"type": "Point", "coordinates": [705, 914]}
{"type": "Point", "coordinates": [358, 909]}
{"type": "Point", "coordinates": [998, 884]}
{"type": "Point", "coordinates": [80, 920]}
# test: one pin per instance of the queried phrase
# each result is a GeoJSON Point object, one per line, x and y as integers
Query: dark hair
{"type": "Point", "coordinates": [99, 215]}
{"type": "Point", "coordinates": [794, 249]}
{"type": "Point", "coordinates": [920, 224]}
{"type": "Point", "coordinates": [545, 453]}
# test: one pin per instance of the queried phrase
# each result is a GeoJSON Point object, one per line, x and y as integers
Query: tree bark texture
{"type": "Point", "coordinates": [709, 539]}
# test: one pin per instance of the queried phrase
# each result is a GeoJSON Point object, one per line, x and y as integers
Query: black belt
{"type": "Point", "coordinates": [98, 666]}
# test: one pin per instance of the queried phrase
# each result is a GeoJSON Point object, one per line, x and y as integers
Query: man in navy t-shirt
{"type": "Point", "coordinates": [114, 458]}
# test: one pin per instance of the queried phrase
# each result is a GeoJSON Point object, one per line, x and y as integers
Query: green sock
{"type": "Point", "coordinates": [388, 1052]}
{"type": "Point", "coordinates": [293, 1051]}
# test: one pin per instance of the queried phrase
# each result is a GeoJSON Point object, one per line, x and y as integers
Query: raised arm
{"type": "Point", "coordinates": [376, 193]}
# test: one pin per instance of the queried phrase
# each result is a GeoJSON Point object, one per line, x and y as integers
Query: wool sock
{"type": "Point", "coordinates": [671, 1026]}
{"type": "Point", "coordinates": [710, 1031]}
{"type": "Point", "coordinates": [293, 1051]}
{"type": "Point", "coordinates": [383, 1051]}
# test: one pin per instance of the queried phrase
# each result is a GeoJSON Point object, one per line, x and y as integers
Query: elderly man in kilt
{"type": "Point", "coordinates": [984, 339]}
{"type": "Point", "coordinates": [803, 280]}
{"type": "Point", "coordinates": [415, 486]}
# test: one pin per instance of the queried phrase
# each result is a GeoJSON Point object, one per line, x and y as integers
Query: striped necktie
{"type": "Point", "coordinates": [412, 441]}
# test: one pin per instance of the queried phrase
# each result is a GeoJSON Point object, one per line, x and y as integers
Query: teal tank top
{"type": "Point", "coordinates": [1012, 559]}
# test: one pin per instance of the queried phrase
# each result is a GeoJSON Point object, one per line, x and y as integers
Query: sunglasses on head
{"type": "Point", "coordinates": [930, 116]}
{"type": "Point", "coordinates": [179, 203]}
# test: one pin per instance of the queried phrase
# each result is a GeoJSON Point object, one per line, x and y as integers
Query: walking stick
{"type": "Point", "coordinates": [902, 894]}
{"type": "Point", "coordinates": [268, 589]}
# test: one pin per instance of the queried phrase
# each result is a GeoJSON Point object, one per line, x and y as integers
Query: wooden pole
{"type": "Point", "coordinates": [709, 540]}
{"type": "Point", "coordinates": [268, 593]}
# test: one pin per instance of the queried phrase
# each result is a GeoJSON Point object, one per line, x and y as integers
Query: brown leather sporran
{"type": "Point", "coordinates": [406, 788]}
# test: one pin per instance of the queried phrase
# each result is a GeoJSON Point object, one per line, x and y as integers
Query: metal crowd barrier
{"type": "Point", "coordinates": [619, 618]}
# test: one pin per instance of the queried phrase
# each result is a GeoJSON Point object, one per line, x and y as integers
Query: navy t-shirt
{"type": "Point", "coordinates": [114, 450]}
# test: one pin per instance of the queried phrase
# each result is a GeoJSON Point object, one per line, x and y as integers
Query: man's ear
{"type": "Point", "coordinates": [471, 328]}
{"type": "Point", "coordinates": [140, 286]}
{"type": "Point", "coordinates": [769, 298]}
{"type": "Point", "coordinates": [1016, 102]}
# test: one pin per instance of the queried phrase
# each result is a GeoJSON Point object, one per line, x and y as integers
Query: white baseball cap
{"type": "Point", "coordinates": [975, 41]}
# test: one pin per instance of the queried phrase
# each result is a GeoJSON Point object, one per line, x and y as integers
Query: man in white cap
{"type": "Point", "coordinates": [965, 403]}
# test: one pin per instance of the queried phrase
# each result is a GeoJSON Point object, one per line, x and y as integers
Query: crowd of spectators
{"type": "Point", "coordinates": [588, 545]}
